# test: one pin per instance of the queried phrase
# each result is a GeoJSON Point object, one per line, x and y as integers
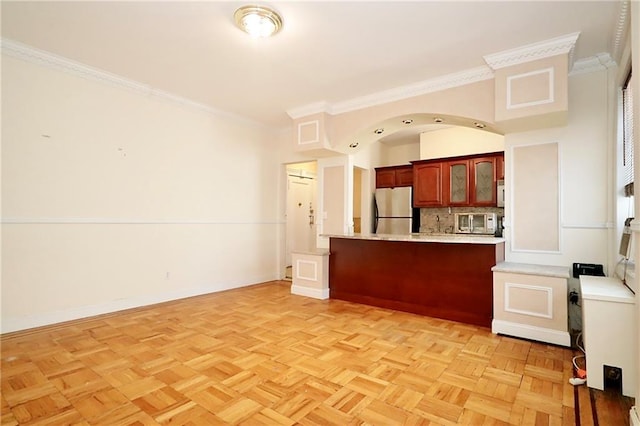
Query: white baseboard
{"type": "Point", "coordinates": [316, 293]}
{"type": "Point", "coordinates": [562, 338]}
{"type": "Point", "coordinates": [9, 325]}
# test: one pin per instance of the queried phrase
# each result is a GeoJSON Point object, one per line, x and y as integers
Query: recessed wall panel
{"type": "Point", "coordinates": [529, 89]}
{"type": "Point", "coordinates": [308, 132]}
{"type": "Point", "coordinates": [535, 194]}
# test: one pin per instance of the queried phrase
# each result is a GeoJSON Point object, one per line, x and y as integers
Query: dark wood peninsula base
{"type": "Point", "coordinates": [444, 280]}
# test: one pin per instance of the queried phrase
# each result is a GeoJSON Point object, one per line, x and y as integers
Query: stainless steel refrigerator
{"type": "Point", "coordinates": [394, 212]}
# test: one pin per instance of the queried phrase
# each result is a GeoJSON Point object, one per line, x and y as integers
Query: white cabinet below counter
{"type": "Point", "coordinates": [310, 273]}
{"type": "Point", "coordinates": [530, 301]}
{"type": "Point", "coordinates": [609, 331]}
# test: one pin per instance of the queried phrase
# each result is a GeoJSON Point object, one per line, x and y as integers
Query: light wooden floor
{"type": "Point", "coordinates": [259, 355]}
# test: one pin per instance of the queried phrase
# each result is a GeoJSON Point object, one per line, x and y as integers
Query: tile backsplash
{"type": "Point", "coordinates": [440, 220]}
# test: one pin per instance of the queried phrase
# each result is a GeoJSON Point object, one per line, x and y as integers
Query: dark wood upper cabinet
{"type": "Point", "coordinates": [456, 181]}
{"type": "Point", "coordinates": [404, 176]}
{"type": "Point", "coordinates": [500, 167]}
{"type": "Point", "coordinates": [483, 181]}
{"type": "Point", "coordinates": [427, 188]}
{"type": "Point", "coordinates": [394, 176]}
{"type": "Point", "coordinates": [459, 181]}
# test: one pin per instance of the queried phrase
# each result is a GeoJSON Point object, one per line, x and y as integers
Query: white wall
{"type": "Point", "coordinates": [458, 140]}
{"type": "Point", "coordinates": [113, 198]}
{"type": "Point", "coordinates": [585, 156]}
{"type": "Point", "coordinates": [400, 154]}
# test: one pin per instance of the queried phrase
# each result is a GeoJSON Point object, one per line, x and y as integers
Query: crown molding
{"type": "Point", "coordinates": [421, 88]}
{"type": "Point", "coordinates": [40, 57]}
{"type": "Point", "coordinates": [534, 51]}
{"type": "Point", "coordinates": [622, 26]}
{"type": "Point", "coordinates": [599, 62]}
{"type": "Point", "coordinates": [397, 94]}
{"type": "Point", "coordinates": [305, 110]}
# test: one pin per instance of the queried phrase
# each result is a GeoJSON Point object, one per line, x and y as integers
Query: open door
{"type": "Point", "coordinates": [301, 209]}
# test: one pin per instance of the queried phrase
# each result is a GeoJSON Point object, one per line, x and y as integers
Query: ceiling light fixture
{"type": "Point", "coordinates": [353, 145]}
{"type": "Point", "coordinates": [438, 120]}
{"type": "Point", "coordinates": [479, 125]}
{"type": "Point", "coordinates": [378, 131]}
{"type": "Point", "coordinates": [258, 21]}
{"type": "Point", "coordinates": [407, 121]}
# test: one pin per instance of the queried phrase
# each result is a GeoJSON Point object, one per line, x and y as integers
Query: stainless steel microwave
{"type": "Point", "coordinates": [475, 223]}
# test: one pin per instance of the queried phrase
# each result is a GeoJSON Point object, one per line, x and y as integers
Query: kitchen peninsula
{"type": "Point", "coordinates": [443, 276]}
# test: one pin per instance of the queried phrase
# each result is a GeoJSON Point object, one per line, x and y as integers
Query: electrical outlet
{"type": "Point", "coordinates": [574, 297]}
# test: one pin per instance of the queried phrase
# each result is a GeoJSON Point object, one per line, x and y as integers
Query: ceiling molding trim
{"type": "Point", "coordinates": [534, 51]}
{"type": "Point", "coordinates": [400, 93]}
{"type": "Point", "coordinates": [622, 26]}
{"type": "Point", "coordinates": [40, 57]}
{"type": "Point", "coordinates": [599, 62]}
{"type": "Point", "coordinates": [421, 88]}
{"type": "Point", "coordinates": [303, 111]}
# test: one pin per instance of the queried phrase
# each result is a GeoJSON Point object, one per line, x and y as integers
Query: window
{"type": "Point", "coordinates": [627, 136]}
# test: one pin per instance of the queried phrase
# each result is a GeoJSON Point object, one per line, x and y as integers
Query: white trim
{"type": "Point", "coordinates": [307, 123]}
{"type": "Point", "coordinates": [598, 62]}
{"type": "Point", "coordinates": [313, 277]}
{"type": "Point", "coordinates": [310, 109]}
{"type": "Point", "coordinates": [40, 57]}
{"type": "Point", "coordinates": [550, 97]}
{"type": "Point", "coordinates": [507, 300]}
{"type": "Point", "coordinates": [533, 52]}
{"type": "Point", "coordinates": [49, 318]}
{"type": "Point", "coordinates": [315, 293]}
{"type": "Point", "coordinates": [540, 334]}
{"type": "Point", "coordinates": [124, 221]}
{"type": "Point", "coordinates": [621, 28]}
{"type": "Point", "coordinates": [436, 84]}
{"type": "Point", "coordinates": [606, 225]}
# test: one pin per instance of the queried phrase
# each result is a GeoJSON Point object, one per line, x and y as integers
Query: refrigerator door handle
{"type": "Point", "coordinates": [375, 215]}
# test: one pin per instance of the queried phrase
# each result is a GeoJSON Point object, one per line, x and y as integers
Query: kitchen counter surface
{"type": "Point", "coordinates": [423, 238]}
{"type": "Point", "coordinates": [530, 269]}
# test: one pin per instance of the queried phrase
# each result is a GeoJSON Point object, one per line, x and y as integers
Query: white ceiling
{"type": "Point", "coordinates": [327, 52]}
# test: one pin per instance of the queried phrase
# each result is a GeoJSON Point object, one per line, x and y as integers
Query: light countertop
{"type": "Point", "coordinates": [530, 269]}
{"type": "Point", "coordinates": [605, 288]}
{"type": "Point", "coordinates": [423, 238]}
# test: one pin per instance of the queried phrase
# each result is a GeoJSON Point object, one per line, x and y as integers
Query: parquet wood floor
{"type": "Point", "coordinates": [261, 356]}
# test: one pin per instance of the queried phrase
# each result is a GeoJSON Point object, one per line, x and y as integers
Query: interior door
{"type": "Point", "coordinates": [300, 215]}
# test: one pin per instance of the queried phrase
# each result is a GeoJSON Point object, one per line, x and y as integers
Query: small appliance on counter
{"type": "Point", "coordinates": [475, 223]}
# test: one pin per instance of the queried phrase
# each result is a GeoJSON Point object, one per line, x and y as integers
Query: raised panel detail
{"type": "Point", "coordinates": [535, 183]}
{"type": "Point", "coordinates": [306, 270]}
{"type": "Point", "coordinates": [529, 300]}
{"type": "Point", "coordinates": [427, 181]}
{"type": "Point", "coordinates": [308, 132]}
{"type": "Point", "coordinates": [530, 89]}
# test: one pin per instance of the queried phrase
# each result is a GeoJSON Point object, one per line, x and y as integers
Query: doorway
{"type": "Point", "coordinates": [301, 210]}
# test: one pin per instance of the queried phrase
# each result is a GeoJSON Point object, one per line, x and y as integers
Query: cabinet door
{"type": "Point", "coordinates": [404, 176]}
{"type": "Point", "coordinates": [457, 181]}
{"type": "Point", "coordinates": [427, 185]}
{"type": "Point", "coordinates": [483, 181]}
{"type": "Point", "coordinates": [500, 167]}
{"type": "Point", "coordinates": [385, 178]}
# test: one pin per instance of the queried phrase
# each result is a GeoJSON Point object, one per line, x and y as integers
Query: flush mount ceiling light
{"type": "Point", "coordinates": [378, 131]}
{"type": "Point", "coordinates": [353, 145]}
{"type": "Point", "coordinates": [479, 125]}
{"type": "Point", "coordinates": [407, 121]}
{"type": "Point", "coordinates": [438, 120]}
{"type": "Point", "coordinates": [258, 21]}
